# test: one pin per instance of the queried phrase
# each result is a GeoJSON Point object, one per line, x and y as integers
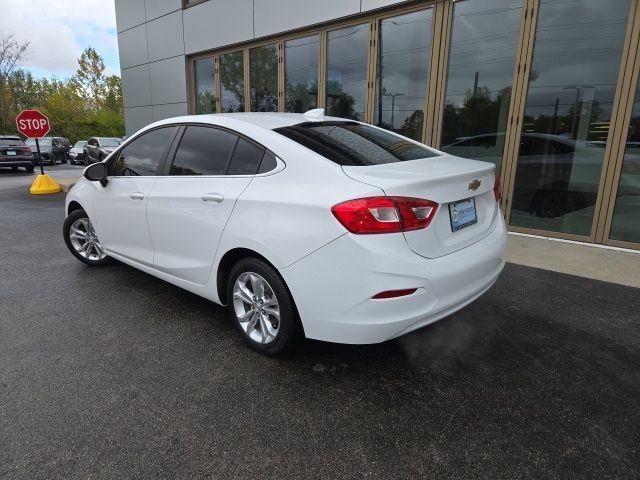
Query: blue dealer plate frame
{"type": "Point", "coordinates": [463, 214]}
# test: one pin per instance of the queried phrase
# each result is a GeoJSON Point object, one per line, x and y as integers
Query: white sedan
{"type": "Point", "coordinates": [304, 225]}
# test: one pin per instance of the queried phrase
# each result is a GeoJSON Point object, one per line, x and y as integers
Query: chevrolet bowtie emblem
{"type": "Point", "coordinates": [474, 185]}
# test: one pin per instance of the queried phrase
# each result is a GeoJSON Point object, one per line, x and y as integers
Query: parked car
{"type": "Point", "coordinates": [52, 149]}
{"type": "Point", "coordinates": [303, 225]}
{"type": "Point", "coordinates": [76, 154]}
{"type": "Point", "coordinates": [98, 148]}
{"type": "Point", "coordinates": [14, 153]}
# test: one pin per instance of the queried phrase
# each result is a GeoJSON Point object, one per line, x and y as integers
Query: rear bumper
{"type": "Point", "coordinates": [333, 286]}
{"type": "Point", "coordinates": [16, 162]}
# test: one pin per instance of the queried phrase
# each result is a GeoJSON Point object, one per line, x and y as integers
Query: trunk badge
{"type": "Point", "coordinates": [474, 185]}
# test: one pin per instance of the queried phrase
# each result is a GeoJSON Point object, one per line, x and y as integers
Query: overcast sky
{"type": "Point", "coordinates": [58, 32]}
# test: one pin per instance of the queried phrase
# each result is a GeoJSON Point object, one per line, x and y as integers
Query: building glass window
{"type": "Point", "coordinates": [346, 85]}
{"type": "Point", "coordinates": [572, 84]}
{"type": "Point", "coordinates": [301, 73]}
{"type": "Point", "coordinates": [232, 82]}
{"type": "Point", "coordinates": [625, 224]}
{"type": "Point", "coordinates": [263, 78]}
{"type": "Point", "coordinates": [205, 86]}
{"type": "Point", "coordinates": [403, 64]}
{"type": "Point", "coordinates": [484, 42]}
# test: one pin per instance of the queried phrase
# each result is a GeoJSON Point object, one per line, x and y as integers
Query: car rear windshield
{"type": "Point", "coordinates": [109, 142]}
{"type": "Point", "coordinates": [11, 142]}
{"type": "Point", "coordinates": [354, 144]}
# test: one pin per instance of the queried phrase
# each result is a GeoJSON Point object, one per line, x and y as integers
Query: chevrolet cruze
{"type": "Point", "coordinates": [303, 225]}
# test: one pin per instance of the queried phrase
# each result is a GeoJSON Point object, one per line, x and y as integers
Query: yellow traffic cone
{"type": "Point", "coordinates": [44, 184]}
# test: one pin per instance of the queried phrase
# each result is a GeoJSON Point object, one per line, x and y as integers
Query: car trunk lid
{"type": "Point", "coordinates": [444, 179]}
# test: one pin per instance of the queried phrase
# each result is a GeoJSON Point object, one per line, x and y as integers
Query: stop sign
{"type": "Point", "coordinates": [32, 123]}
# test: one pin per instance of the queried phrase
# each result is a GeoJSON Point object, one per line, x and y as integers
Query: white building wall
{"type": "Point", "coordinates": [155, 36]}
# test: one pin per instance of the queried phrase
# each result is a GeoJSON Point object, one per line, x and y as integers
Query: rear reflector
{"type": "Point", "coordinates": [394, 293]}
{"type": "Point", "coordinates": [497, 190]}
{"type": "Point", "coordinates": [385, 214]}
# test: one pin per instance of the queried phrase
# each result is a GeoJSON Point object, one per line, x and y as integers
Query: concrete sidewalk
{"type": "Point", "coordinates": [575, 258]}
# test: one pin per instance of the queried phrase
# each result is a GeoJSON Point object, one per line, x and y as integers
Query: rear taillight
{"type": "Point", "coordinates": [26, 149]}
{"type": "Point", "coordinates": [385, 214]}
{"type": "Point", "coordinates": [497, 191]}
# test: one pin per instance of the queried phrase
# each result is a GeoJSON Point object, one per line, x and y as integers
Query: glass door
{"type": "Point", "coordinates": [571, 88]}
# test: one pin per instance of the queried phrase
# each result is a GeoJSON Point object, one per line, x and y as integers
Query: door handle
{"type": "Point", "coordinates": [137, 196]}
{"type": "Point", "coordinates": [212, 197]}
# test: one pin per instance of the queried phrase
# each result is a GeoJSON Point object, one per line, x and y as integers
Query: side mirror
{"type": "Point", "coordinates": [96, 173]}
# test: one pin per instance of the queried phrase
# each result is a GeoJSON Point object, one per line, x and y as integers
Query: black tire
{"type": "Point", "coordinates": [73, 216]}
{"type": "Point", "coordinates": [15, 169]}
{"type": "Point", "coordinates": [29, 169]}
{"type": "Point", "coordinates": [289, 327]}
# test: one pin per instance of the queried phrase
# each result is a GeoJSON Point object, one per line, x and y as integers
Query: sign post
{"type": "Point", "coordinates": [33, 124]}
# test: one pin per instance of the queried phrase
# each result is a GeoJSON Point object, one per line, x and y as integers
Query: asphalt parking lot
{"type": "Point", "coordinates": [111, 373]}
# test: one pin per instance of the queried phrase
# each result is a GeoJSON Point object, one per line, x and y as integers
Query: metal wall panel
{"type": "Point", "coordinates": [164, 37]}
{"type": "Point", "coordinates": [132, 47]}
{"type": "Point", "coordinates": [168, 81]}
{"type": "Point", "coordinates": [136, 86]}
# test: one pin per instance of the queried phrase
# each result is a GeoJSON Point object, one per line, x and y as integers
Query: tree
{"type": "Point", "coordinates": [11, 54]}
{"type": "Point", "coordinates": [90, 79]}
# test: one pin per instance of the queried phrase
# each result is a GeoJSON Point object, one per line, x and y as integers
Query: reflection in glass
{"type": "Point", "coordinates": [403, 64]}
{"type": "Point", "coordinates": [484, 41]}
{"type": "Point", "coordinates": [301, 73]}
{"type": "Point", "coordinates": [572, 83]}
{"type": "Point", "coordinates": [205, 91]}
{"type": "Point", "coordinates": [232, 82]}
{"type": "Point", "coordinates": [347, 52]}
{"type": "Point", "coordinates": [626, 214]}
{"type": "Point", "coordinates": [263, 78]}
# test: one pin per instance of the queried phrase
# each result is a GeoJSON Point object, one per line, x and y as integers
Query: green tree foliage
{"type": "Point", "coordinates": [88, 104]}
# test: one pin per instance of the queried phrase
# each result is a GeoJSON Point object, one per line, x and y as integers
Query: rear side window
{"type": "Point", "coordinates": [353, 144]}
{"type": "Point", "coordinates": [11, 142]}
{"type": "Point", "coordinates": [203, 151]}
{"type": "Point", "coordinates": [143, 155]}
{"type": "Point", "coordinates": [246, 158]}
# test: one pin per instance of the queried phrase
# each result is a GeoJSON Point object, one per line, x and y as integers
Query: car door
{"type": "Point", "coordinates": [120, 207]}
{"type": "Point", "coordinates": [191, 204]}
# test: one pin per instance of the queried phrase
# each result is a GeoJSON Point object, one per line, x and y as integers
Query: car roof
{"type": "Point", "coordinates": [266, 120]}
{"type": "Point", "coordinates": [10, 137]}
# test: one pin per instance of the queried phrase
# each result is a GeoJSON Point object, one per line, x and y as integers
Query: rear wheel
{"type": "Point", "coordinates": [262, 308]}
{"type": "Point", "coordinates": [15, 169]}
{"type": "Point", "coordinates": [82, 240]}
{"type": "Point", "coordinates": [29, 169]}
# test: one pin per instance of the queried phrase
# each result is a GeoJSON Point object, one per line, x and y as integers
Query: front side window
{"type": "Point", "coordinates": [354, 144]}
{"type": "Point", "coordinates": [203, 151]}
{"type": "Point", "coordinates": [142, 155]}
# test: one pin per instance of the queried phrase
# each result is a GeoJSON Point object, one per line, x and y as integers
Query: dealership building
{"type": "Point", "coordinates": [546, 89]}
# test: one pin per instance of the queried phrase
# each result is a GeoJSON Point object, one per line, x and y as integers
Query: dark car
{"type": "Point", "coordinates": [98, 148]}
{"type": "Point", "coordinates": [14, 153]}
{"type": "Point", "coordinates": [52, 149]}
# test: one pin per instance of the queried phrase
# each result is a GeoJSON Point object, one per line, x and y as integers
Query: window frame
{"type": "Point", "coordinates": [116, 153]}
{"type": "Point", "coordinates": [171, 153]}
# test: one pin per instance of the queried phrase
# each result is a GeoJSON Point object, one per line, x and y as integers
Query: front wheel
{"type": "Point", "coordinates": [262, 308]}
{"type": "Point", "coordinates": [82, 240]}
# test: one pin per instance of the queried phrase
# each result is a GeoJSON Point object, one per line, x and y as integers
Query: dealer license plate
{"type": "Point", "coordinates": [463, 214]}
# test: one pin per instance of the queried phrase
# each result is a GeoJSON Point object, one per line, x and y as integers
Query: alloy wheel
{"type": "Point", "coordinates": [85, 241]}
{"type": "Point", "coordinates": [256, 307]}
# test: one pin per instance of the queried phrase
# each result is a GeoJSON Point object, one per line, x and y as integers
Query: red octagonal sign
{"type": "Point", "coordinates": [32, 123]}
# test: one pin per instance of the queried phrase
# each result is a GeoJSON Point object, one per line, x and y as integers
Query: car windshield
{"type": "Point", "coordinates": [80, 144]}
{"type": "Point", "coordinates": [108, 142]}
{"type": "Point", "coordinates": [11, 142]}
{"type": "Point", "coordinates": [354, 144]}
